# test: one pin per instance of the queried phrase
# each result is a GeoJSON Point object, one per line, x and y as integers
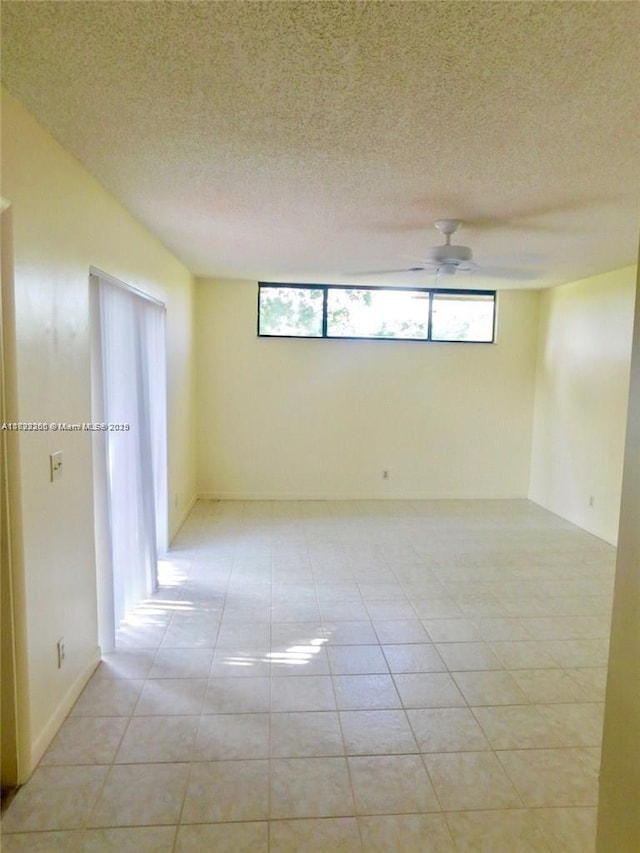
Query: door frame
{"type": "Point", "coordinates": [15, 757]}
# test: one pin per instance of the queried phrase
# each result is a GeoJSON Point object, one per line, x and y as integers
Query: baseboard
{"type": "Point", "coordinates": [183, 517]}
{"type": "Point", "coordinates": [581, 522]}
{"type": "Point", "coordinates": [41, 743]}
{"type": "Point", "coordinates": [354, 496]}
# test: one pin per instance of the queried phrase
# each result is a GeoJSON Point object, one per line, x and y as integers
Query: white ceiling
{"type": "Point", "coordinates": [306, 141]}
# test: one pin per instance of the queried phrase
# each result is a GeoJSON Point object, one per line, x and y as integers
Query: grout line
{"type": "Point", "coordinates": [257, 528]}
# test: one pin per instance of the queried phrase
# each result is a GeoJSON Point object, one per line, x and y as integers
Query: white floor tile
{"type": "Point", "coordinates": [406, 833]}
{"type": "Point", "coordinates": [306, 693]}
{"type": "Point", "coordinates": [377, 733]}
{"type": "Point", "coordinates": [568, 830]}
{"type": "Point", "coordinates": [471, 780]}
{"type": "Point", "coordinates": [237, 696]}
{"type": "Point", "coordinates": [45, 842]}
{"type": "Point", "coordinates": [365, 692]}
{"type": "Point", "coordinates": [151, 839]}
{"type": "Point", "coordinates": [55, 798]}
{"type": "Point", "coordinates": [106, 697]}
{"type": "Point", "coordinates": [306, 734]}
{"type": "Point", "coordinates": [310, 787]}
{"type": "Point", "coordinates": [391, 784]}
{"type": "Point", "coordinates": [428, 690]}
{"type": "Point", "coordinates": [141, 795]}
{"type": "Point", "coordinates": [250, 837]}
{"type": "Point", "coordinates": [447, 730]}
{"type": "Point", "coordinates": [328, 675]}
{"type": "Point", "coordinates": [86, 740]}
{"type": "Point", "coordinates": [554, 777]}
{"type": "Point", "coordinates": [507, 831]}
{"type": "Point", "coordinates": [158, 739]}
{"type": "Point", "coordinates": [171, 696]}
{"type": "Point", "coordinates": [222, 791]}
{"type": "Point", "coordinates": [356, 660]}
{"type": "Point", "coordinates": [232, 736]}
{"type": "Point", "coordinates": [315, 835]}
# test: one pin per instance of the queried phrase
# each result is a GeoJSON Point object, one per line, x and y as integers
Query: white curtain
{"type": "Point", "coordinates": [132, 402]}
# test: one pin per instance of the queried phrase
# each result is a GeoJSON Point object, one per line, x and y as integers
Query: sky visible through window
{"type": "Point", "coordinates": [377, 314]}
{"type": "Point", "coordinates": [463, 317]}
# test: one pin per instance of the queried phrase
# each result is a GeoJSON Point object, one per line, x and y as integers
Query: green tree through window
{"type": "Point", "coordinates": [392, 313]}
{"type": "Point", "coordinates": [291, 311]}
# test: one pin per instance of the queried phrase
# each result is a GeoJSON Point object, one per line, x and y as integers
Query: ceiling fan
{"type": "Point", "coordinates": [448, 259]}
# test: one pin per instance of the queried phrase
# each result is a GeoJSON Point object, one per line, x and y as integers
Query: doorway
{"type": "Point", "coordinates": [14, 708]}
{"type": "Point", "coordinates": [129, 447]}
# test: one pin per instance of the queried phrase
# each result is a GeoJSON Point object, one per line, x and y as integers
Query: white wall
{"type": "Point", "coordinates": [64, 222]}
{"type": "Point", "coordinates": [582, 383]}
{"type": "Point", "coordinates": [281, 418]}
{"type": "Point", "coordinates": [619, 805]}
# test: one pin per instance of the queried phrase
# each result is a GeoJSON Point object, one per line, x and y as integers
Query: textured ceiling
{"type": "Point", "coordinates": [307, 141]}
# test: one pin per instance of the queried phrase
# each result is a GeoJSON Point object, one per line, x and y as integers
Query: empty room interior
{"type": "Point", "coordinates": [320, 426]}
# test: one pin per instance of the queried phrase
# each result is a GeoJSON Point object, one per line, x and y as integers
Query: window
{"type": "Point", "coordinates": [380, 313]}
{"type": "Point", "coordinates": [462, 316]}
{"type": "Point", "coordinates": [290, 311]}
{"type": "Point", "coordinates": [362, 313]}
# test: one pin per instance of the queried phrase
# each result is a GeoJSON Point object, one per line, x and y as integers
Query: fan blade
{"type": "Point", "coordinates": [514, 274]}
{"type": "Point", "coordinates": [468, 267]}
{"type": "Point", "coordinates": [388, 272]}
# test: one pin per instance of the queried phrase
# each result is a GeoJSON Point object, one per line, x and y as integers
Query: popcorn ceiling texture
{"type": "Point", "coordinates": [305, 141]}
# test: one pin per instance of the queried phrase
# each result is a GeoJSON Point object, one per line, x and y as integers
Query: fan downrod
{"type": "Point", "coordinates": [447, 227]}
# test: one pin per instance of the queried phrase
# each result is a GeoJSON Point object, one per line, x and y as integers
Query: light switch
{"type": "Point", "coordinates": [56, 465]}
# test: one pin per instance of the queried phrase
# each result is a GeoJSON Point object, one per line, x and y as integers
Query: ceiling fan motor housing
{"type": "Point", "coordinates": [454, 255]}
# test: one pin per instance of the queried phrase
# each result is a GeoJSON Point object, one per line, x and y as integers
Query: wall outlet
{"type": "Point", "coordinates": [61, 652]}
{"type": "Point", "coordinates": [55, 462]}
{"type": "Point", "coordinates": [592, 501]}
{"type": "Point", "coordinates": [385, 474]}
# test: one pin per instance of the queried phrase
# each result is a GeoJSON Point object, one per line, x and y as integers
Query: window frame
{"type": "Point", "coordinates": [429, 291]}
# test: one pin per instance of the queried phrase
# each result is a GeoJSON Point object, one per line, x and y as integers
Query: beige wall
{"type": "Point", "coordinates": [64, 222]}
{"type": "Point", "coordinates": [582, 382]}
{"type": "Point", "coordinates": [619, 806]}
{"type": "Point", "coordinates": [280, 418]}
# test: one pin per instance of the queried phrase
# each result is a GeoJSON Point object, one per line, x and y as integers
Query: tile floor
{"type": "Point", "coordinates": [343, 676]}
